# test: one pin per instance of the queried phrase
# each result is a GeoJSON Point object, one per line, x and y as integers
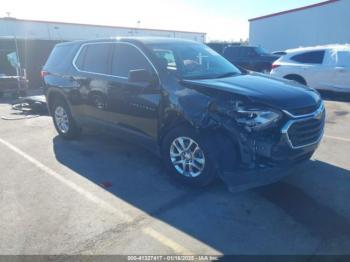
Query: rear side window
{"type": "Point", "coordinates": [95, 58]}
{"type": "Point", "coordinates": [79, 62]}
{"type": "Point", "coordinates": [126, 58]}
{"type": "Point", "coordinates": [60, 56]}
{"type": "Point", "coordinates": [314, 57]}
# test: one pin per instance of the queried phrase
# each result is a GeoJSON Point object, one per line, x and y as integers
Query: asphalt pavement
{"type": "Point", "coordinates": [100, 195]}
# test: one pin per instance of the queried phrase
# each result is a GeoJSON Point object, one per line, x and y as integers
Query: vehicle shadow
{"type": "Point", "coordinates": [282, 218]}
{"type": "Point", "coordinates": [334, 96]}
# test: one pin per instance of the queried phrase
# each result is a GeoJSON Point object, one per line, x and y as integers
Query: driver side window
{"type": "Point", "coordinates": [166, 58]}
{"type": "Point", "coordinates": [127, 57]}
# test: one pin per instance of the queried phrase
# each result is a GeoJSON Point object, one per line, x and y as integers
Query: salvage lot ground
{"type": "Point", "coordinates": [100, 195]}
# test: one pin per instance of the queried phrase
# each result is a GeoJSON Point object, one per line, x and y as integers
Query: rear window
{"type": "Point", "coordinates": [95, 58]}
{"type": "Point", "coordinates": [60, 56]}
{"type": "Point", "coordinates": [314, 57]}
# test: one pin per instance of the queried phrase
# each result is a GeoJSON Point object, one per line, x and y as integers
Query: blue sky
{"type": "Point", "coordinates": [220, 19]}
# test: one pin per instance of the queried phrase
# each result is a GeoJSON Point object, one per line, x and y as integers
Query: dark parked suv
{"type": "Point", "coordinates": [182, 100]}
{"type": "Point", "coordinates": [250, 57]}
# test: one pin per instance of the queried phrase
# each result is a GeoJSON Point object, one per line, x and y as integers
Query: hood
{"type": "Point", "coordinates": [274, 92]}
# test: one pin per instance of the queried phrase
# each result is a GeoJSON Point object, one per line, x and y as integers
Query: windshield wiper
{"type": "Point", "coordinates": [196, 77]}
{"type": "Point", "coordinates": [227, 74]}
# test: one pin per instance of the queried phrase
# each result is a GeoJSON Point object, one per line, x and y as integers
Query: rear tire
{"type": "Point", "coordinates": [63, 120]}
{"type": "Point", "coordinates": [187, 156]}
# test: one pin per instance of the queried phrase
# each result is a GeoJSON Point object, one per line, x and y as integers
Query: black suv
{"type": "Point", "coordinates": [187, 103]}
{"type": "Point", "coordinates": [250, 57]}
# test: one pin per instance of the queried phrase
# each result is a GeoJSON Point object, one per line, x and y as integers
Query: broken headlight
{"type": "Point", "coordinates": [257, 118]}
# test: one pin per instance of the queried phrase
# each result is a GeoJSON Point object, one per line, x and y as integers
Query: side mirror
{"type": "Point", "coordinates": [140, 75]}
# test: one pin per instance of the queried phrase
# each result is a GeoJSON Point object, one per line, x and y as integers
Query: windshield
{"type": "Point", "coordinates": [192, 61]}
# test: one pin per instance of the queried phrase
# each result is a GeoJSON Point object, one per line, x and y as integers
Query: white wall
{"type": "Point", "coordinates": [59, 31]}
{"type": "Point", "coordinates": [327, 24]}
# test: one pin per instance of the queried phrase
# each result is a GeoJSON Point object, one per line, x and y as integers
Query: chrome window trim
{"type": "Point", "coordinates": [113, 43]}
{"type": "Point", "coordinates": [307, 117]}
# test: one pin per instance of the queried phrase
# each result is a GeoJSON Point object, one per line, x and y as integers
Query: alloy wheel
{"type": "Point", "coordinates": [187, 157]}
{"type": "Point", "coordinates": [61, 119]}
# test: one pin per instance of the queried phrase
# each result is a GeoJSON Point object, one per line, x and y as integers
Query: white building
{"type": "Point", "coordinates": [59, 31]}
{"type": "Point", "coordinates": [319, 24]}
{"type": "Point", "coordinates": [34, 40]}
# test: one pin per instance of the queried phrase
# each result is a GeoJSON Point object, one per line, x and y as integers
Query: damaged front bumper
{"type": "Point", "coordinates": [270, 156]}
{"type": "Point", "coordinates": [272, 163]}
{"type": "Point", "coordinates": [246, 178]}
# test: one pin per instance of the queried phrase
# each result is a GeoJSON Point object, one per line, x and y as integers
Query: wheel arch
{"type": "Point", "coordinates": [217, 135]}
{"type": "Point", "coordinates": [296, 77]}
{"type": "Point", "coordinates": [52, 96]}
{"type": "Point", "coordinates": [173, 120]}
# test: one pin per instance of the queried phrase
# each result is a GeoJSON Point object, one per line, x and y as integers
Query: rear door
{"type": "Point", "coordinates": [93, 64]}
{"type": "Point", "coordinates": [341, 78]}
{"type": "Point", "coordinates": [314, 68]}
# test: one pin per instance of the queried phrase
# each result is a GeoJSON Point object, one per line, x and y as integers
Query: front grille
{"type": "Point", "coordinates": [306, 131]}
{"type": "Point", "coordinates": [304, 110]}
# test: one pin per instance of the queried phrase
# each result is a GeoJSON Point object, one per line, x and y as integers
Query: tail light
{"type": "Point", "coordinates": [44, 73]}
{"type": "Point", "coordinates": [275, 66]}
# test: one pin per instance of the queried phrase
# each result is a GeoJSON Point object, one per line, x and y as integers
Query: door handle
{"type": "Point", "coordinates": [99, 102]}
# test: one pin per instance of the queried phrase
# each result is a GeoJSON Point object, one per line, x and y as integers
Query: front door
{"type": "Point", "coordinates": [133, 106]}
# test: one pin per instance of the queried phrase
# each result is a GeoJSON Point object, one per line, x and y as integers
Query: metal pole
{"type": "Point", "coordinates": [18, 70]}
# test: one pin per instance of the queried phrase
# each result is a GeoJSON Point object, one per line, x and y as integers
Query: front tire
{"type": "Point", "coordinates": [63, 120]}
{"type": "Point", "coordinates": [187, 156]}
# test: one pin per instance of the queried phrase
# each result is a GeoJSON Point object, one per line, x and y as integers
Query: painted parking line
{"type": "Point", "coordinates": [176, 247]}
{"type": "Point", "coordinates": [338, 138]}
{"type": "Point", "coordinates": [67, 182]}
